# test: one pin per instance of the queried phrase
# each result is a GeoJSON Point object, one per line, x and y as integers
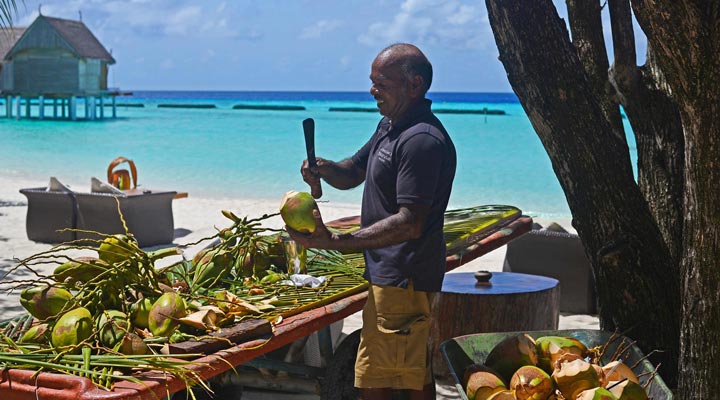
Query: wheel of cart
{"type": "Point", "coordinates": [339, 381]}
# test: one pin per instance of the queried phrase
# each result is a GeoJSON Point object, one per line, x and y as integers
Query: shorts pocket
{"type": "Point", "coordinates": [409, 338]}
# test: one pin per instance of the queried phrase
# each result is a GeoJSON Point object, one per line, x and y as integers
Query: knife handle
{"type": "Point", "coordinates": [316, 190]}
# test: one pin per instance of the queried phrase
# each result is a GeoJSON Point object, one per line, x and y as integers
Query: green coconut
{"type": "Point", "coordinates": [512, 353]}
{"type": "Point", "coordinates": [531, 383]}
{"type": "Point", "coordinates": [38, 334]}
{"type": "Point", "coordinates": [165, 313]}
{"type": "Point", "coordinates": [112, 326]}
{"type": "Point", "coordinates": [43, 302]}
{"type": "Point", "coordinates": [574, 377]}
{"type": "Point", "coordinates": [627, 390]}
{"type": "Point", "coordinates": [296, 209]}
{"type": "Point", "coordinates": [481, 383]}
{"type": "Point", "coordinates": [139, 312]}
{"type": "Point", "coordinates": [83, 269]}
{"type": "Point", "coordinates": [551, 348]}
{"type": "Point", "coordinates": [213, 266]}
{"type": "Point", "coordinates": [72, 328]}
{"type": "Point", "coordinates": [133, 344]}
{"type": "Point", "coordinates": [596, 394]}
{"type": "Point", "coordinates": [115, 249]}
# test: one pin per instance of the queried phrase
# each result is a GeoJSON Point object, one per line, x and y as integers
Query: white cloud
{"type": "Point", "coordinates": [182, 21]}
{"type": "Point", "coordinates": [321, 27]}
{"type": "Point", "coordinates": [452, 23]}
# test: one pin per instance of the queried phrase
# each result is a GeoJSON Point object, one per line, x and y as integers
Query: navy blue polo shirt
{"type": "Point", "coordinates": [412, 162]}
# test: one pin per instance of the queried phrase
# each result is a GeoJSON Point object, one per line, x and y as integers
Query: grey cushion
{"type": "Point", "coordinates": [558, 255]}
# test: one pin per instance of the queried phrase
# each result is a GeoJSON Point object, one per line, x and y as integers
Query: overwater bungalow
{"type": "Point", "coordinates": [55, 64]}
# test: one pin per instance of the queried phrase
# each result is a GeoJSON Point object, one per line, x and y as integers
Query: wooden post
{"type": "Point", "coordinates": [41, 107]}
{"type": "Point", "coordinates": [27, 107]}
{"type": "Point", "coordinates": [114, 113]}
{"type": "Point", "coordinates": [510, 302]}
{"type": "Point", "coordinates": [17, 107]}
{"type": "Point", "coordinates": [102, 107]}
{"type": "Point", "coordinates": [62, 108]}
{"type": "Point", "coordinates": [8, 106]}
{"type": "Point", "coordinates": [54, 107]}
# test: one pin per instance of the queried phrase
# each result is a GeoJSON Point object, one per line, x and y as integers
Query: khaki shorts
{"type": "Point", "coordinates": [393, 350]}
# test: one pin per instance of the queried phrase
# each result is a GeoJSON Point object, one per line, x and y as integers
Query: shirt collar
{"type": "Point", "coordinates": [420, 108]}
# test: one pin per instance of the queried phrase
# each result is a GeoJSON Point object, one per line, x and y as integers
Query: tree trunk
{"type": "Point", "coordinates": [655, 121]}
{"type": "Point", "coordinates": [587, 37]}
{"type": "Point", "coordinates": [629, 257]}
{"type": "Point", "coordinates": [686, 37]}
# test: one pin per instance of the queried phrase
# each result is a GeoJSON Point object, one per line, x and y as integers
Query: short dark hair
{"type": "Point", "coordinates": [412, 61]}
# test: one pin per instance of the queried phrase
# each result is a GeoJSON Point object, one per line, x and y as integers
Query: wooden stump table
{"type": "Point", "coordinates": [509, 302]}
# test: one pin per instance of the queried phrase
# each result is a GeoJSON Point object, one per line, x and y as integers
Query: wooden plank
{"type": "Point", "coordinates": [238, 333]}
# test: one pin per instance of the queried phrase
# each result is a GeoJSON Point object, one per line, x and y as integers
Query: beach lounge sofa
{"type": "Point", "coordinates": [557, 254]}
{"type": "Point", "coordinates": [148, 214]}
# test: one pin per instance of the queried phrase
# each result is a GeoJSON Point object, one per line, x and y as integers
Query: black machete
{"type": "Point", "coordinates": [309, 130]}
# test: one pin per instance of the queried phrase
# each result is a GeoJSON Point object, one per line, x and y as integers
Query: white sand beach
{"type": "Point", "coordinates": [195, 218]}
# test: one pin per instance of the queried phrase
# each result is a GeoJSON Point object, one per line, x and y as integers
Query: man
{"type": "Point", "coordinates": [408, 166]}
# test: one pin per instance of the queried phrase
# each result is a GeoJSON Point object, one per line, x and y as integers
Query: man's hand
{"type": "Point", "coordinates": [312, 175]}
{"type": "Point", "coordinates": [321, 238]}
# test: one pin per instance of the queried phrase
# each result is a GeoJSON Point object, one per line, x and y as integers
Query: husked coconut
{"type": "Point", "coordinates": [627, 390]}
{"type": "Point", "coordinates": [617, 371]}
{"type": "Point", "coordinates": [531, 383]}
{"type": "Point", "coordinates": [551, 348]}
{"type": "Point", "coordinates": [596, 394]}
{"type": "Point", "coordinates": [482, 384]}
{"type": "Point", "coordinates": [502, 395]}
{"type": "Point", "coordinates": [575, 376]}
{"type": "Point", "coordinates": [512, 353]}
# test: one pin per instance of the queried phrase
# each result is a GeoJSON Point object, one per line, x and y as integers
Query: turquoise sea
{"type": "Point", "coordinates": [223, 152]}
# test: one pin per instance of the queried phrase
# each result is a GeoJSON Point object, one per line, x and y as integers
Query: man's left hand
{"type": "Point", "coordinates": [320, 238]}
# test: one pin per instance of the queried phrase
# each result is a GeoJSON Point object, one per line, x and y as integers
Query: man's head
{"type": "Point", "coordinates": [400, 75]}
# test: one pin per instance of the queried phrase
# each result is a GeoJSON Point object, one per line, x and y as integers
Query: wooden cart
{"type": "Point", "coordinates": [30, 385]}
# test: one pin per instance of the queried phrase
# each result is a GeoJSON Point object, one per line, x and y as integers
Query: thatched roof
{"type": "Point", "coordinates": [8, 37]}
{"type": "Point", "coordinates": [73, 35]}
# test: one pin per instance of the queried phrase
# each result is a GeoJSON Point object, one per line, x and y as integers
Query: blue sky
{"type": "Point", "coordinates": [303, 45]}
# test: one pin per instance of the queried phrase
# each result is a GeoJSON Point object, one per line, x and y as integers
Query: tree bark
{"type": "Point", "coordinates": [655, 120]}
{"type": "Point", "coordinates": [629, 257]}
{"type": "Point", "coordinates": [587, 37]}
{"type": "Point", "coordinates": [686, 36]}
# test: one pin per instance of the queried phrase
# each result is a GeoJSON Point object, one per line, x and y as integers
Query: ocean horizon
{"type": "Point", "coordinates": [255, 153]}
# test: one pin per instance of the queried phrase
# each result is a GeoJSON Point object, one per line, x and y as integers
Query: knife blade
{"type": "Point", "coordinates": [309, 131]}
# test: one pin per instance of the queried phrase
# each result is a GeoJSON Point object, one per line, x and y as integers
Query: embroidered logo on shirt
{"type": "Point", "coordinates": [384, 155]}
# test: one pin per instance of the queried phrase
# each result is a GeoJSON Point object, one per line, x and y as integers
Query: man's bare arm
{"type": "Point", "coordinates": [406, 224]}
{"type": "Point", "coordinates": [341, 175]}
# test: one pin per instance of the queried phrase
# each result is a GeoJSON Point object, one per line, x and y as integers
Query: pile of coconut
{"type": "Point", "coordinates": [549, 368]}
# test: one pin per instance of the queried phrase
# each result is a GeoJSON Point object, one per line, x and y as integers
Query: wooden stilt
{"type": "Point", "coordinates": [8, 106]}
{"type": "Point", "coordinates": [73, 108]}
{"type": "Point", "coordinates": [41, 107]}
{"type": "Point", "coordinates": [102, 107]}
{"type": "Point", "coordinates": [114, 103]}
{"type": "Point", "coordinates": [90, 100]}
{"type": "Point", "coordinates": [17, 107]}
{"type": "Point", "coordinates": [54, 107]}
{"type": "Point", "coordinates": [27, 107]}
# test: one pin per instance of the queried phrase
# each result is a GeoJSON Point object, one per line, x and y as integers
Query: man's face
{"type": "Point", "coordinates": [389, 88]}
